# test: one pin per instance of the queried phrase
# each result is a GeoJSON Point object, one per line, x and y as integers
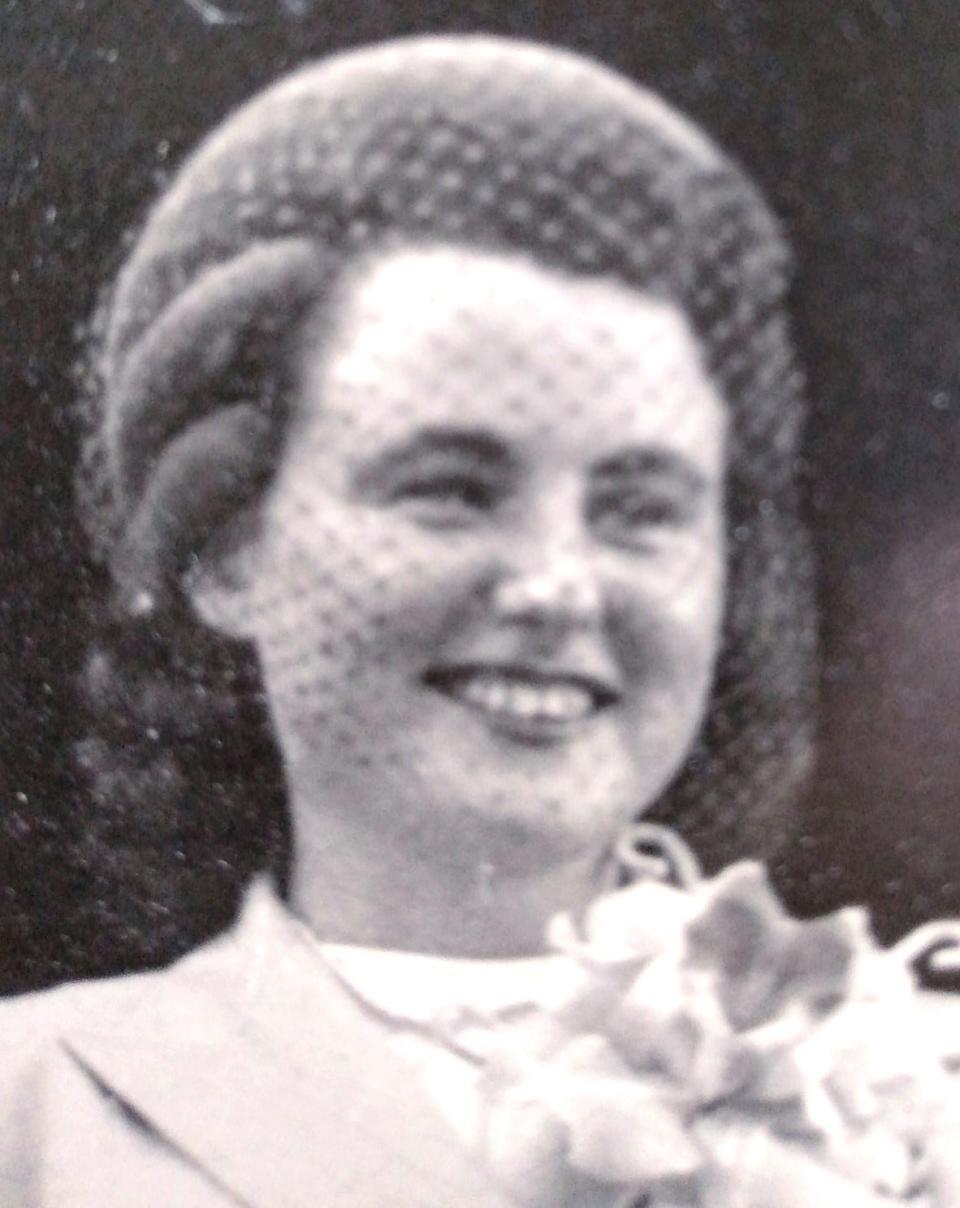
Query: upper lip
{"type": "Point", "coordinates": [601, 687]}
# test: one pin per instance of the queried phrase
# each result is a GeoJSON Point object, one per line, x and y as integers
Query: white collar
{"type": "Point", "coordinates": [423, 987]}
{"type": "Point", "coordinates": [418, 987]}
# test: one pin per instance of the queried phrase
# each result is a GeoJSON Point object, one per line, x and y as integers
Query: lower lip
{"type": "Point", "coordinates": [534, 731]}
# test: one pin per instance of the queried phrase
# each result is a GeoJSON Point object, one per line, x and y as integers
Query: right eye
{"type": "Point", "coordinates": [446, 499]}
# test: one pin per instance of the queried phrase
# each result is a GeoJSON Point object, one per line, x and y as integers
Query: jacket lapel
{"type": "Point", "coordinates": [251, 1060]}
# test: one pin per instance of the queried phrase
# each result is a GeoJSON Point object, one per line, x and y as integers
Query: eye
{"type": "Point", "coordinates": [635, 517]}
{"type": "Point", "coordinates": [447, 498]}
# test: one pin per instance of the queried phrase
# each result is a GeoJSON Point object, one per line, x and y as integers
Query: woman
{"type": "Point", "coordinates": [445, 404]}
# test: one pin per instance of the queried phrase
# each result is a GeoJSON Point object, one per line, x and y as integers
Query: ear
{"type": "Point", "coordinates": [223, 584]}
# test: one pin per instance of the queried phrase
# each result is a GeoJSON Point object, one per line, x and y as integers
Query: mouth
{"type": "Point", "coordinates": [530, 702]}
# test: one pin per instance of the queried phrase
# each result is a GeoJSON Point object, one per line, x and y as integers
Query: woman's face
{"type": "Point", "coordinates": [486, 584]}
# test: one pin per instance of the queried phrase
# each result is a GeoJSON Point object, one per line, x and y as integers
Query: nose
{"type": "Point", "coordinates": [556, 587]}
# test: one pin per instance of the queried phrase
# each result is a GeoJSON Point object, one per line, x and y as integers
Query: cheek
{"type": "Point", "coordinates": [669, 617]}
{"type": "Point", "coordinates": [352, 594]}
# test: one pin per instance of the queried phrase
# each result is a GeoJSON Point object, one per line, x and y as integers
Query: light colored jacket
{"type": "Point", "coordinates": [242, 1075]}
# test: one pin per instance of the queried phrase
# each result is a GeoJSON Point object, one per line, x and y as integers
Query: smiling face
{"type": "Point", "coordinates": [486, 583]}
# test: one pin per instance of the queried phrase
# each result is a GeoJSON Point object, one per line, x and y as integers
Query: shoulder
{"type": "Point", "coordinates": [34, 1027]}
{"type": "Point", "coordinates": [214, 972]}
{"type": "Point", "coordinates": [32, 1022]}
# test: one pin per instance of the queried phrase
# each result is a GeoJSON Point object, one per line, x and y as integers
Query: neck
{"type": "Point", "coordinates": [354, 887]}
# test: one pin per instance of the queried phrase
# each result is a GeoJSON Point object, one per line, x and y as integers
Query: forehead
{"type": "Point", "coordinates": [453, 335]}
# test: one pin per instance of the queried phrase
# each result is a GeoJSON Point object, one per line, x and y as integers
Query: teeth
{"type": "Point", "coordinates": [494, 694]}
{"type": "Point", "coordinates": [568, 702]}
{"type": "Point", "coordinates": [525, 702]}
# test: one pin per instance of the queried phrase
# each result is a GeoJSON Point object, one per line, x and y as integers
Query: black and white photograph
{"type": "Point", "coordinates": [480, 596]}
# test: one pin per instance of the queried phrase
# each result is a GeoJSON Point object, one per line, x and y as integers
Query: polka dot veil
{"type": "Point", "coordinates": [250, 270]}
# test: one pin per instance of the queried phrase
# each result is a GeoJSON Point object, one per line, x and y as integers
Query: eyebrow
{"type": "Point", "coordinates": [652, 462]}
{"type": "Point", "coordinates": [474, 444]}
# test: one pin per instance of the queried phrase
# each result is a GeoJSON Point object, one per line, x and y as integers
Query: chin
{"type": "Point", "coordinates": [530, 833]}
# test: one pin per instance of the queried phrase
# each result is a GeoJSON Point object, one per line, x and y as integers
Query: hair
{"type": "Point", "coordinates": [474, 141]}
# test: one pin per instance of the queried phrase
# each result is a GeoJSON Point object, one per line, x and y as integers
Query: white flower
{"type": "Point", "coordinates": [706, 1031]}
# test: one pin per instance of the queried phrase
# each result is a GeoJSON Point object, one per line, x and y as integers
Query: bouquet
{"type": "Point", "coordinates": [711, 1051]}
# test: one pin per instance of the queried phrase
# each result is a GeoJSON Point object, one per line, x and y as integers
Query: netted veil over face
{"type": "Point", "coordinates": [488, 144]}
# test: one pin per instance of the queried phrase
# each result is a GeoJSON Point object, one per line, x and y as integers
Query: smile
{"type": "Point", "coordinates": [523, 696]}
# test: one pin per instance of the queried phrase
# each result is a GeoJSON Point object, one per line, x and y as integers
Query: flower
{"type": "Point", "coordinates": [763, 960]}
{"type": "Point", "coordinates": [710, 1050]}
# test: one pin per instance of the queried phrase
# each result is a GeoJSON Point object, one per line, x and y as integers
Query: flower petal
{"type": "Point", "coordinates": [590, 996]}
{"type": "Point", "coordinates": [590, 1054]}
{"type": "Point", "coordinates": [943, 1167]}
{"type": "Point", "coordinates": [752, 1169]}
{"type": "Point", "coordinates": [876, 1157]}
{"type": "Point", "coordinates": [658, 1024]}
{"type": "Point", "coordinates": [818, 959]}
{"type": "Point", "coordinates": [641, 921]}
{"type": "Point", "coordinates": [621, 1131]}
{"type": "Point", "coordinates": [525, 1146]}
{"type": "Point", "coordinates": [740, 935]}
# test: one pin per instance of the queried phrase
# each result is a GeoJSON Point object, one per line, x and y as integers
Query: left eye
{"type": "Point", "coordinates": [631, 518]}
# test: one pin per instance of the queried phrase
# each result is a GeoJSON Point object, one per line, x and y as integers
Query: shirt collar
{"type": "Point", "coordinates": [423, 987]}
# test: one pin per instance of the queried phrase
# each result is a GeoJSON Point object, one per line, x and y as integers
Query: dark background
{"type": "Point", "coordinates": [848, 114]}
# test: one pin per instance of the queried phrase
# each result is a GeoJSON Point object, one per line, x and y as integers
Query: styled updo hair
{"type": "Point", "coordinates": [473, 141]}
